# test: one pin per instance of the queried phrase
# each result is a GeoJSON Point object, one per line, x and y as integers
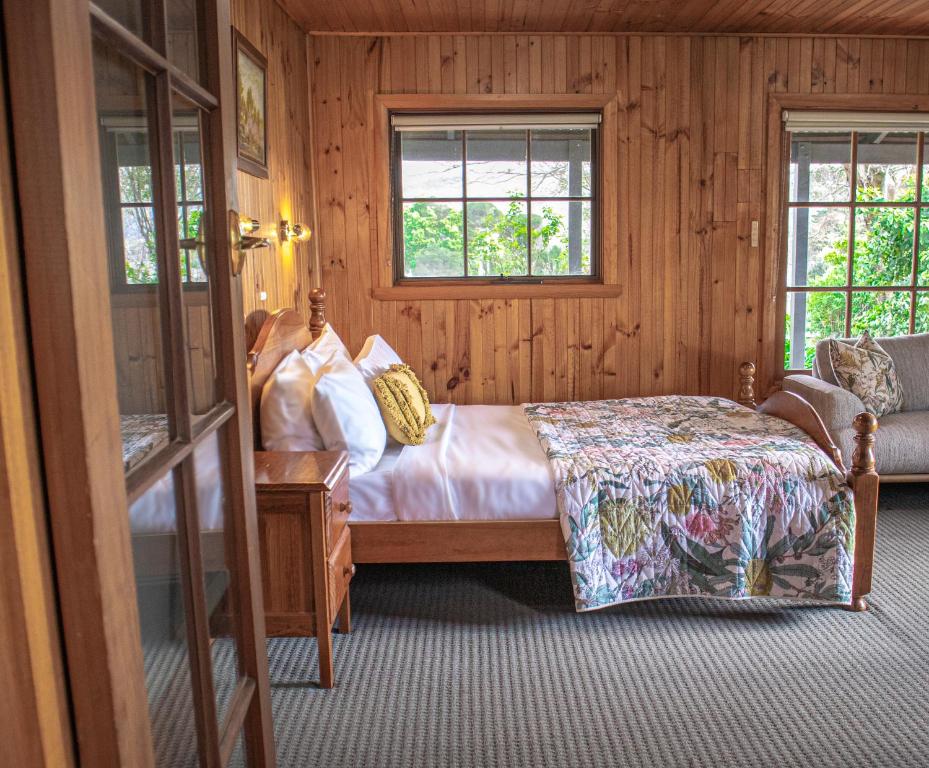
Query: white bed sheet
{"type": "Point", "coordinates": [479, 462]}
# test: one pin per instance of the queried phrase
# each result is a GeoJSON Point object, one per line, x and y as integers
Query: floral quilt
{"type": "Point", "coordinates": [666, 496]}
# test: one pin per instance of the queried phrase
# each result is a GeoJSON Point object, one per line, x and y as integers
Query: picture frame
{"type": "Point", "coordinates": [251, 106]}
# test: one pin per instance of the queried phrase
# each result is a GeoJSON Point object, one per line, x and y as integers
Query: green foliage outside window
{"type": "Point", "coordinates": [883, 256]}
{"type": "Point", "coordinates": [433, 239]}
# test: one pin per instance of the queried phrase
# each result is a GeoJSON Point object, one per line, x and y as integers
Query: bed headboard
{"type": "Point", "coordinates": [281, 333]}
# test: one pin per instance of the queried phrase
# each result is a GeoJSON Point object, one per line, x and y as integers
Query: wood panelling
{"type": "Point", "coordinates": [35, 724]}
{"type": "Point", "coordinates": [684, 180]}
{"type": "Point", "coordinates": [283, 270]}
{"type": "Point", "coordinates": [883, 17]}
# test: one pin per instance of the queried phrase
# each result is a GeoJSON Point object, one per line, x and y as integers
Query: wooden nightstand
{"type": "Point", "coordinates": [306, 546]}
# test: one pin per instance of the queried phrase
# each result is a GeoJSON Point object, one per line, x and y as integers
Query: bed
{"type": "Point", "coordinates": [476, 494]}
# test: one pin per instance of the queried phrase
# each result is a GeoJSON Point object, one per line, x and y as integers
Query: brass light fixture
{"type": "Point", "coordinates": [242, 235]}
{"type": "Point", "coordinates": [296, 232]}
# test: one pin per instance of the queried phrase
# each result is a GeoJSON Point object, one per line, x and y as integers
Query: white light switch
{"type": "Point", "coordinates": [263, 296]}
{"type": "Point", "coordinates": [755, 234]}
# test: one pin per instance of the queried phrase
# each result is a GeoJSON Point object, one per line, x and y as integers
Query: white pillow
{"type": "Point", "coordinates": [375, 358]}
{"type": "Point", "coordinates": [345, 412]}
{"type": "Point", "coordinates": [286, 415]}
{"type": "Point", "coordinates": [327, 343]}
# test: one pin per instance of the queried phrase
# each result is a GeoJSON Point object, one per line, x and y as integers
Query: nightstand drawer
{"type": "Point", "coordinates": [341, 571]}
{"type": "Point", "coordinates": [338, 510]}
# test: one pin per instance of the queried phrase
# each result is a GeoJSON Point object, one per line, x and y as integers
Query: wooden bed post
{"type": "Point", "coordinates": [317, 311]}
{"type": "Point", "coordinates": [865, 483]}
{"type": "Point", "coordinates": [747, 385]}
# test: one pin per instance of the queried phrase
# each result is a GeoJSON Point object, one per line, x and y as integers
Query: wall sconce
{"type": "Point", "coordinates": [296, 232]}
{"type": "Point", "coordinates": [242, 235]}
{"type": "Point", "coordinates": [247, 237]}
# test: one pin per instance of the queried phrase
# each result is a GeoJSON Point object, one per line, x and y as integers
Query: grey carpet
{"type": "Point", "coordinates": [488, 665]}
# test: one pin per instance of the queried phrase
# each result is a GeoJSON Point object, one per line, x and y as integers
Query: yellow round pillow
{"type": "Point", "coordinates": [404, 405]}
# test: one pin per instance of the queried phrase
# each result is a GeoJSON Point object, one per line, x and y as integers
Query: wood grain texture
{"type": "Point", "coordinates": [878, 17]}
{"type": "Point", "coordinates": [35, 724]}
{"type": "Point", "coordinates": [58, 171]}
{"type": "Point", "coordinates": [306, 549]}
{"type": "Point", "coordinates": [685, 177]}
{"type": "Point", "coordinates": [283, 271]}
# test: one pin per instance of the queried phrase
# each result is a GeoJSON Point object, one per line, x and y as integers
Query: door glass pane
{"type": "Point", "coordinates": [184, 36]}
{"type": "Point", "coordinates": [811, 316]}
{"type": "Point", "coordinates": [886, 166]}
{"type": "Point", "coordinates": [820, 165]}
{"type": "Point", "coordinates": [883, 246]}
{"type": "Point", "coordinates": [127, 173]}
{"type": "Point", "coordinates": [220, 606]}
{"type": "Point", "coordinates": [162, 617]}
{"type": "Point", "coordinates": [196, 258]}
{"type": "Point", "coordinates": [237, 759]}
{"type": "Point", "coordinates": [817, 246]}
{"type": "Point", "coordinates": [134, 15]}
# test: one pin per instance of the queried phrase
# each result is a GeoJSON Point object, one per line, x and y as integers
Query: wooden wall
{"type": "Point", "coordinates": [689, 174]}
{"type": "Point", "coordinates": [283, 270]}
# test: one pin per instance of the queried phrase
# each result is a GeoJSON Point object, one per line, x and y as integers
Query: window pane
{"type": "Point", "coordinates": [187, 177]}
{"type": "Point", "coordinates": [881, 313]}
{"type": "Point", "coordinates": [925, 191]}
{"type": "Point", "coordinates": [433, 240]}
{"type": "Point", "coordinates": [922, 275]}
{"type": "Point", "coordinates": [561, 238]}
{"type": "Point", "coordinates": [561, 163]}
{"type": "Point", "coordinates": [196, 259]}
{"type": "Point", "coordinates": [817, 246]}
{"type": "Point", "coordinates": [811, 317]}
{"type": "Point", "coordinates": [497, 165]}
{"type": "Point", "coordinates": [922, 313]}
{"type": "Point", "coordinates": [123, 115]}
{"type": "Point", "coordinates": [220, 605]}
{"type": "Point", "coordinates": [497, 239]}
{"type": "Point", "coordinates": [819, 167]}
{"type": "Point", "coordinates": [153, 522]}
{"type": "Point", "coordinates": [139, 249]}
{"type": "Point", "coordinates": [431, 164]}
{"type": "Point", "coordinates": [883, 246]}
{"type": "Point", "coordinates": [886, 166]}
{"type": "Point", "coordinates": [132, 158]}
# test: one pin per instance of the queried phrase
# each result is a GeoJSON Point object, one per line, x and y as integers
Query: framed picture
{"type": "Point", "coordinates": [251, 102]}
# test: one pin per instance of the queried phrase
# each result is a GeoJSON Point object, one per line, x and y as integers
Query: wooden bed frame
{"type": "Point", "coordinates": [520, 540]}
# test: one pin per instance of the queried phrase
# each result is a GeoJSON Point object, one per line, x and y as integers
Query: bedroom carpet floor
{"type": "Point", "coordinates": [489, 665]}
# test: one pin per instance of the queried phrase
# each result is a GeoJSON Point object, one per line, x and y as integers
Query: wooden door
{"type": "Point", "coordinates": [123, 128]}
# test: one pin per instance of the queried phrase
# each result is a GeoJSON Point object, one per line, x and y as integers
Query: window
{"type": "Point", "coordinates": [495, 197]}
{"type": "Point", "coordinates": [857, 228]}
{"type": "Point", "coordinates": [129, 189]}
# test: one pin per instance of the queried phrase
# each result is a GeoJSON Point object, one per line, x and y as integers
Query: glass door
{"type": "Point", "coordinates": [159, 128]}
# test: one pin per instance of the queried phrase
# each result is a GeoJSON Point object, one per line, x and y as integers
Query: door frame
{"type": "Point", "coordinates": [54, 124]}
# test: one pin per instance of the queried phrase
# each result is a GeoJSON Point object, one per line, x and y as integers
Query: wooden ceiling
{"type": "Point", "coordinates": [854, 17]}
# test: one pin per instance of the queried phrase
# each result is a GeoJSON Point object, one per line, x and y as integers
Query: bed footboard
{"type": "Point", "coordinates": [863, 479]}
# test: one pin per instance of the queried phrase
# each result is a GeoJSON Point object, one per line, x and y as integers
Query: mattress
{"type": "Point", "coordinates": [479, 462]}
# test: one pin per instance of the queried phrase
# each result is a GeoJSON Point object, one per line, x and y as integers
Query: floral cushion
{"type": "Point", "coordinates": [866, 370]}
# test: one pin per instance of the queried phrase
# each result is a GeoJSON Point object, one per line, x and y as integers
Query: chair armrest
{"type": "Point", "coordinates": [837, 407]}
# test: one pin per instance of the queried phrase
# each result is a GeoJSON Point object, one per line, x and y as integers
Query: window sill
{"type": "Point", "coordinates": [452, 291]}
